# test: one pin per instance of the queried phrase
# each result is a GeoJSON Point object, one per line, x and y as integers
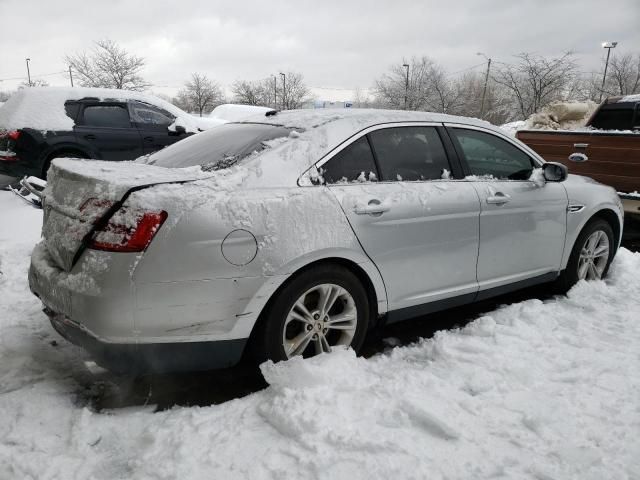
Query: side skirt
{"type": "Point", "coordinates": [437, 306]}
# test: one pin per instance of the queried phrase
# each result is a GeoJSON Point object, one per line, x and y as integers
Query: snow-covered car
{"type": "Point", "coordinates": [40, 124]}
{"type": "Point", "coordinates": [231, 112]}
{"type": "Point", "coordinates": [294, 233]}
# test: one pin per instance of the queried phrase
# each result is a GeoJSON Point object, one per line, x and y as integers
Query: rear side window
{"type": "Point", "coordinates": [113, 116]}
{"type": "Point", "coordinates": [614, 118]}
{"type": "Point", "coordinates": [409, 153]}
{"type": "Point", "coordinates": [487, 154]}
{"type": "Point", "coordinates": [353, 164]}
{"type": "Point", "coordinates": [72, 109]}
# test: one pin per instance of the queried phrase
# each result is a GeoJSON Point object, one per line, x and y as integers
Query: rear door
{"type": "Point", "coordinates": [105, 127]}
{"type": "Point", "coordinates": [522, 224]}
{"type": "Point", "coordinates": [416, 222]}
{"type": "Point", "coordinates": [153, 125]}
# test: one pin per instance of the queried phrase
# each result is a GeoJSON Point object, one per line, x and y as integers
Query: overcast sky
{"type": "Point", "coordinates": [334, 44]}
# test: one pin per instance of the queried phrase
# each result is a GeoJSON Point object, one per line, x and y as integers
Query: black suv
{"type": "Point", "coordinates": [102, 129]}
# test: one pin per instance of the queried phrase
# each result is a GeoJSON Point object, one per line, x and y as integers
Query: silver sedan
{"type": "Point", "coordinates": [297, 232]}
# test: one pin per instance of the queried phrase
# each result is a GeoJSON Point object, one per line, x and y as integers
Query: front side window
{"type": "Point", "coordinates": [410, 153]}
{"type": "Point", "coordinates": [111, 116]}
{"type": "Point", "coordinates": [489, 155]}
{"type": "Point", "coordinates": [352, 164]}
{"type": "Point", "coordinates": [148, 115]}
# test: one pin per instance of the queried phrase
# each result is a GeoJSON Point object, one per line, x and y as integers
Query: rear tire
{"type": "Point", "coordinates": [591, 255]}
{"type": "Point", "coordinates": [318, 309]}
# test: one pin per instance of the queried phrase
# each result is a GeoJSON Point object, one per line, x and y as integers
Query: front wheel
{"type": "Point", "coordinates": [318, 310]}
{"type": "Point", "coordinates": [591, 255]}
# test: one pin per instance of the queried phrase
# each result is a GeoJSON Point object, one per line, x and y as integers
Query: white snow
{"type": "Point", "coordinates": [630, 98]}
{"type": "Point", "coordinates": [42, 108]}
{"type": "Point", "coordinates": [533, 390]}
{"type": "Point", "coordinates": [234, 113]}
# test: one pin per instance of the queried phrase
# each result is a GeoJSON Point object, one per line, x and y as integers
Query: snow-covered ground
{"type": "Point", "coordinates": [534, 390]}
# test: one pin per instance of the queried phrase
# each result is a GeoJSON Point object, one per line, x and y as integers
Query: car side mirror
{"type": "Point", "coordinates": [176, 130]}
{"type": "Point", "coordinates": [555, 172]}
{"type": "Point", "coordinates": [578, 157]}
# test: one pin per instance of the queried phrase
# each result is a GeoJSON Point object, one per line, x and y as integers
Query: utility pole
{"type": "Point", "coordinates": [284, 91]}
{"type": "Point", "coordinates": [70, 76]}
{"type": "Point", "coordinates": [28, 72]}
{"type": "Point", "coordinates": [406, 84]}
{"type": "Point", "coordinates": [275, 92]}
{"type": "Point", "coordinates": [608, 46]}
{"type": "Point", "coordinates": [486, 82]}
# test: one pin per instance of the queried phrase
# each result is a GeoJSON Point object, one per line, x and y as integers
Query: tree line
{"type": "Point", "coordinates": [505, 92]}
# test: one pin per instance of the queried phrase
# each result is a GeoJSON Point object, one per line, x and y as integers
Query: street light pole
{"type": "Point", "coordinates": [284, 91]}
{"type": "Point", "coordinates": [406, 84]}
{"type": "Point", "coordinates": [608, 46]}
{"type": "Point", "coordinates": [486, 81]}
{"type": "Point", "coordinates": [70, 76]}
{"type": "Point", "coordinates": [275, 92]}
{"type": "Point", "coordinates": [28, 72]}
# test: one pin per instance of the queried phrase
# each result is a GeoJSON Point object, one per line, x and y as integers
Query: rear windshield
{"type": "Point", "coordinates": [219, 147]}
{"type": "Point", "coordinates": [618, 117]}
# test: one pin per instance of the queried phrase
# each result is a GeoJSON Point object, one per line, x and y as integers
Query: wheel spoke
{"type": "Point", "coordinates": [593, 272]}
{"type": "Point", "coordinates": [325, 343]}
{"type": "Point", "coordinates": [317, 343]}
{"type": "Point", "coordinates": [298, 345]}
{"type": "Point", "coordinates": [301, 307]}
{"type": "Point", "coordinates": [592, 241]}
{"type": "Point", "coordinates": [601, 250]}
{"type": "Point", "coordinates": [296, 316]}
{"type": "Point", "coordinates": [583, 268]}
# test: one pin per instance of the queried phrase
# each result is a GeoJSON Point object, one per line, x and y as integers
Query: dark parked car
{"type": "Point", "coordinates": [38, 125]}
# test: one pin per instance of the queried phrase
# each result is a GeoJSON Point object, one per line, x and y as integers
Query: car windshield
{"type": "Point", "coordinates": [219, 147]}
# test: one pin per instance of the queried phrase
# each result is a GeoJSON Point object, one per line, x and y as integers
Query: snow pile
{"type": "Point", "coordinates": [630, 98]}
{"type": "Point", "coordinates": [42, 108]}
{"type": "Point", "coordinates": [561, 116]}
{"type": "Point", "coordinates": [540, 390]}
{"type": "Point", "coordinates": [235, 113]}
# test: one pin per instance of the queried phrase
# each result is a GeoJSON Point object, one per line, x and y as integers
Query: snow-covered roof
{"type": "Point", "coordinates": [235, 113]}
{"type": "Point", "coordinates": [42, 108]}
{"type": "Point", "coordinates": [630, 98]}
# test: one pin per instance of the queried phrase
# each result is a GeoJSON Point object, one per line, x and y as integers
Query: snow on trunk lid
{"type": "Point", "coordinates": [80, 192]}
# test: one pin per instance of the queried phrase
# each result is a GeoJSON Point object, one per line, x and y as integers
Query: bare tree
{"type": "Point", "coordinates": [286, 94]}
{"type": "Point", "coordinates": [535, 81]}
{"type": "Point", "coordinates": [259, 92]}
{"type": "Point", "coordinates": [34, 83]}
{"type": "Point", "coordinates": [200, 94]}
{"type": "Point", "coordinates": [292, 92]}
{"type": "Point", "coordinates": [108, 66]}
{"type": "Point", "coordinates": [623, 77]}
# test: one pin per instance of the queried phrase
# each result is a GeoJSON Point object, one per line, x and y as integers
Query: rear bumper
{"type": "Point", "coordinates": [150, 357]}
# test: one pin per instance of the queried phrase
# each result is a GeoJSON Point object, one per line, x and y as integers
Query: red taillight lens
{"type": "Point", "coordinates": [128, 231]}
{"type": "Point", "coordinates": [14, 135]}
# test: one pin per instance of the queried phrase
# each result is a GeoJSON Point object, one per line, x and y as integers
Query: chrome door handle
{"type": "Point", "coordinates": [580, 145]}
{"type": "Point", "coordinates": [498, 198]}
{"type": "Point", "coordinates": [374, 207]}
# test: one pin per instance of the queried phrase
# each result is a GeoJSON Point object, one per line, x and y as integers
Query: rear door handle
{"type": "Point", "coordinates": [90, 137]}
{"type": "Point", "coordinates": [580, 145]}
{"type": "Point", "coordinates": [374, 207]}
{"type": "Point", "coordinates": [498, 198]}
{"type": "Point", "coordinates": [149, 139]}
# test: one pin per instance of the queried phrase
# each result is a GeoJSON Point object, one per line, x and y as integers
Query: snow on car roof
{"type": "Point", "coordinates": [630, 98]}
{"type": "Point", "coordinates": [42, 108]}
{"type": "Point", "coordinates": [234, 113]}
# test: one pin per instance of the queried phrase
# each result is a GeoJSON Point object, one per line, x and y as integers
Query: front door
{"type": "Point", "coordinates": [153, 124]}
{"type": "Point", "coordinates": [522, 219]}
{"type": "Point", "coordinates": [417, 224]}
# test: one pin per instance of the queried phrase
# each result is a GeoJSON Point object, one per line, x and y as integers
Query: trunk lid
{"type": "Point", "coordinates": [80, 192]}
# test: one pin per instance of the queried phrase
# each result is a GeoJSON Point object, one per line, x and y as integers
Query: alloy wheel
{"type": "Point", "coordinates": [323, 317]}
{"type": "Point", "coordinates": [594, 256]}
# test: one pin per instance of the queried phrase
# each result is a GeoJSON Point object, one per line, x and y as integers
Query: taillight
{"type": "Point", "coordinates": [14, 135]}
{"type": "Point", "coordinates": [128, 230]}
